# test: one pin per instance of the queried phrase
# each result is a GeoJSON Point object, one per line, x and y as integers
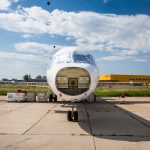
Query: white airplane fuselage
{"type": "Point", "coordinates": [73, 74]}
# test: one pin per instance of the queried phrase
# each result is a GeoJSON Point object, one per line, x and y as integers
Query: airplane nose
{"type": "Point", "coordinates": [73, 80]}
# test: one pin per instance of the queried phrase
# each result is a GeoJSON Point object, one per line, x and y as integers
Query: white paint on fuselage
{"type": "Point", "coordinates": [64, 59]}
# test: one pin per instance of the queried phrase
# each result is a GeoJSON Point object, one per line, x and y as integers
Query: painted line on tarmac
{"type": "Point", "coordinates": [14, 110]}
{"type": "Point", "coordinates": [90, 126]}
{"type": "Point", "coordinates": [49, 111]}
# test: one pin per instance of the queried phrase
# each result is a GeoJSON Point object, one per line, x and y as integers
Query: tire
{"type": "Point", "coordinates": [69, 116]}
{"type": "Point", "coordinates": [55, 98]}
{"type": "Point", "coordinates": [75, 116]}
{"type": "Point", "coordinates": [94, 98]}
{"type": "Point", "coordinates": [50, 97]}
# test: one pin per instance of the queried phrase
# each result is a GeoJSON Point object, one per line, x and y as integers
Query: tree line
{"type": "Point", "coordinates": [28, 77]}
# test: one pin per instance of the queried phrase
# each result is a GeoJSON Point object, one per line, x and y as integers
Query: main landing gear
{"type": "Point", "coordinates": [52, 98]}
{"type": "Point", "coordinates": [72, 115]}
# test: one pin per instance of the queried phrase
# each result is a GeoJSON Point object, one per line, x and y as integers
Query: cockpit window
{"type": "Point", "coordinates": [83, 58]}
{"type": "Point", "coordinates": [75, 57]}
{"type": "Point", "coordinates": [61, 59]}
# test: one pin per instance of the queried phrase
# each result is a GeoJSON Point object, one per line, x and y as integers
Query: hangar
{"type": "Point", "coordinates": [124, 78]}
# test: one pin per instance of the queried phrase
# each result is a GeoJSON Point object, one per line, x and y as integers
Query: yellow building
{"type": "Point", "coordinates": [124, 78]}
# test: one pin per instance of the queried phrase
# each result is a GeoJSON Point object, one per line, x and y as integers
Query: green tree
{"type": "Point", "coordinates": [26, 77]}
{"type": "Point", "coordinates": [39, 77]}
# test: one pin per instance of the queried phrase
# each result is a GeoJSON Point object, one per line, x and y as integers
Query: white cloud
{"type": "Point", "coordinates": [8, 55]}
{"type": "Point", "coordinates": [5, 4]}
{"type": "Point", "coordinates": [113, 58]}
{"type": "Point", "coordinates": [16, 68]}
{"type": "Point", "coordinates": [121, 57]}
{"type": "Point", "coordinates": [27, 36]}
{"type": "Point", "coordinates": [140, 60]}
{"type": "Point", "coordinates": [37, 48]}
{"type": "Point", "coordinates": [69, 38]}
{"type": "Point", "coordinates": [16, 65]}
{"type": "Point", "coordinates": [118, 34]}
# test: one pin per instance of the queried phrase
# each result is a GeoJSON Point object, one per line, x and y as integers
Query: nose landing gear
{"type": "Point", "coordinates": [72, 115]}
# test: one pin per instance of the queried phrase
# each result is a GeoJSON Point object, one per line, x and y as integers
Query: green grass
{"type": "Point", "coordinates": [12, 88]}
{"type": "Point", "coordinates": [112, 91]}
{"type": "Point", "coordinates": [131, 91]}
{"type": "Point", "coordinates": [118, 93]}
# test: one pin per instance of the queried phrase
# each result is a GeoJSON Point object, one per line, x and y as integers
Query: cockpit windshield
{"type": "Point", "coordinates": [81, 58]}
{"type": "Point", "coordinates": [74, 57]}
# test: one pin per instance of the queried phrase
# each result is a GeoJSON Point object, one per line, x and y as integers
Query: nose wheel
{"type": "Point", "coordinates": [72, 115]}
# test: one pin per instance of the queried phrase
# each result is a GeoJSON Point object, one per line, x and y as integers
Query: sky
{"type": "Point", "coordinates": [115, 32]}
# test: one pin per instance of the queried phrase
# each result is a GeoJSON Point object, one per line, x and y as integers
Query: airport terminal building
{"type": "Point", "coordinates": [124, 78]}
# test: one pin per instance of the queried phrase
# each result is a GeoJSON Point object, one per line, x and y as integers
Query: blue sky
{"type": "Point", "coordinates": [115, 32]}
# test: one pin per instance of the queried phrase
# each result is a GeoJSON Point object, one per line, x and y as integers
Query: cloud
{"type": "Point", "coordinates": [37, 48]}
{"type": "Point", "coordinates": [27, 36]}
{"type": "Point", "coordinates": [121, 58]}
{"type": "Point", "coordinates": [5, 4]}
{"type": "Point", "coordinates": [124, 35]}
{"type": "Point", "coordinates": [69, 38]}
{"type": "Point", "coordinates": [8, 55]}
{"type": "Point", "coordinates": [140, 60]}
{"type": "Point", "coordinates": [113, 58]}
{"type": "Point", "coordinates": [16, 68]}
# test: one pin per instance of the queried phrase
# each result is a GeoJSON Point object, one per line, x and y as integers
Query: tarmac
{"type": "Point", "coordinates": [109, 123]}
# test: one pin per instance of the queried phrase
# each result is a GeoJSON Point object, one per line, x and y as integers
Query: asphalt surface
{"type": "Point", "coordinates": [106, 124]}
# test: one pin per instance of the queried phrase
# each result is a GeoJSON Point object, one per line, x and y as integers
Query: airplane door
{"type": "Point", "coordinates": [73, 83]}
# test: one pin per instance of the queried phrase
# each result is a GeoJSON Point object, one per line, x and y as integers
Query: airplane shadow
{"type": "Point", "coordinates": [110, 121]}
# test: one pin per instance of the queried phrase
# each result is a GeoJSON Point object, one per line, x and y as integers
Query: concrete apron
{"type": "Point", "coordinates": [101, 126]}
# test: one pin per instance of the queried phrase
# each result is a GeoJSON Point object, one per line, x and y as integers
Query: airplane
{"type": "Point", "coordinates": [48, 3]}
{"type": "Point", "coordinates": [72, 76]}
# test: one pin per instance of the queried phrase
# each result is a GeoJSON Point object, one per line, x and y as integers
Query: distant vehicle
{"type": "Point", "coordinates": [72, 76]}
{"type": "Point", "coordinates": [13, 82]}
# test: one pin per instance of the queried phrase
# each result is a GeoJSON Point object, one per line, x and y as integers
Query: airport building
{"type": "Point", "coordinates": [124, 78]}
